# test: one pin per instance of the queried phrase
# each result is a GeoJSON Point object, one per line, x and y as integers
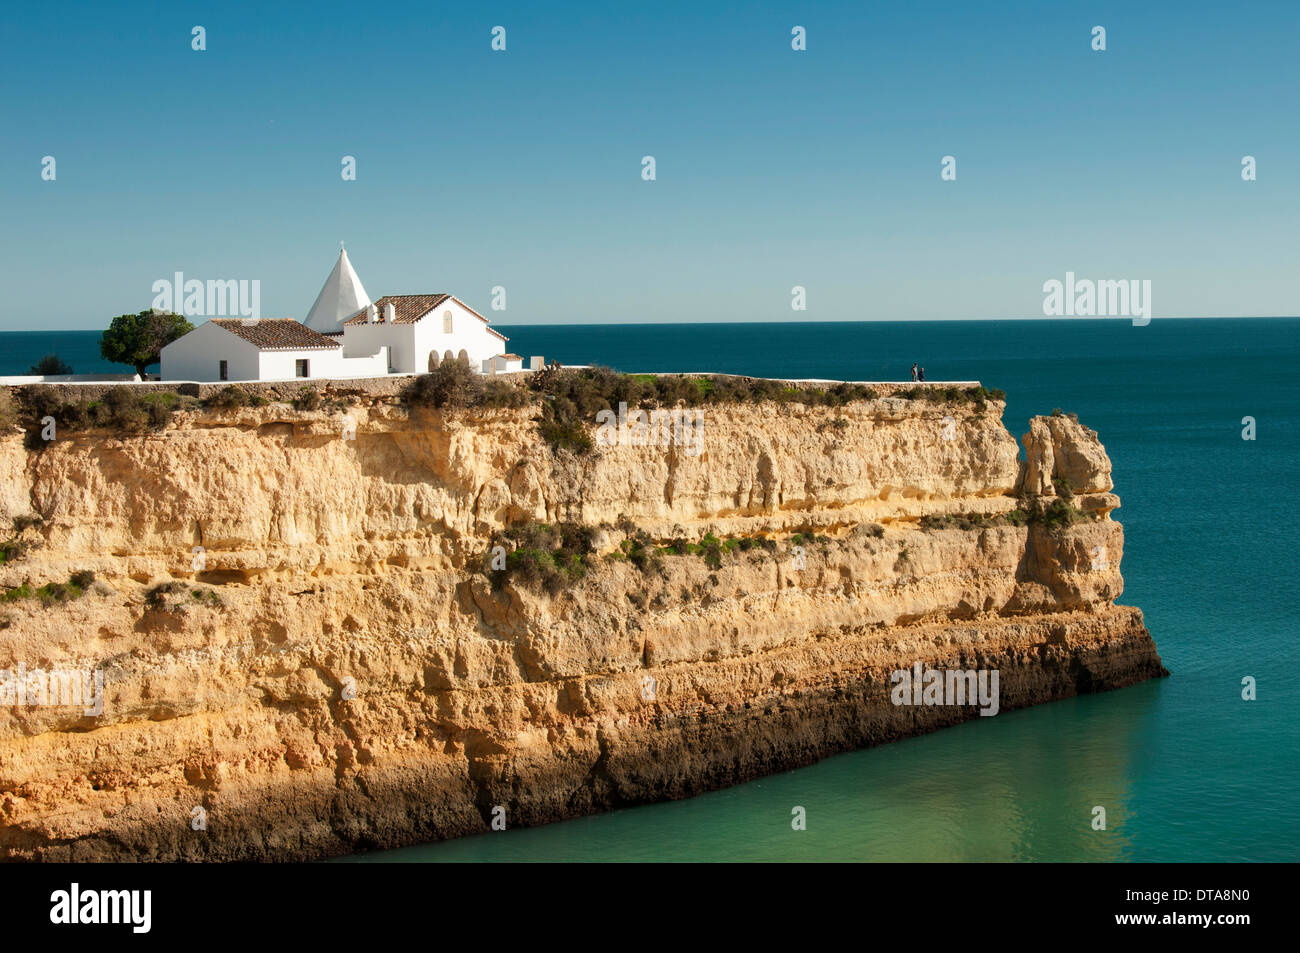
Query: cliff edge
{"type": "Point", "coordinates": [325, 631]}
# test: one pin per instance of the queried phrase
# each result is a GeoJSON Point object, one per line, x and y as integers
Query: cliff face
{"type": "Point", "coordinates": [337, 669]}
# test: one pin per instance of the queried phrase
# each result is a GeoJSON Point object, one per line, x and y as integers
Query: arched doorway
{"type": "Point", "coordinates": [434, 361]}
{"type": "Point", "coordinates": [448, 356]}
{"type": "Point", "coordinates": [463, 357]}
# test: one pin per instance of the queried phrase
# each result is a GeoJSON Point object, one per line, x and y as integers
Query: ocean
{"type": "Point", "coordinates": [1185, 768]}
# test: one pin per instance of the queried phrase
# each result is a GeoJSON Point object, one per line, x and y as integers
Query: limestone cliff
{"type": "Point", "coordinates": [335, 667]}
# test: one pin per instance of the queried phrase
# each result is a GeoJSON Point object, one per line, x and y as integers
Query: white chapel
{"type": "Point", "coordinates": [345, 335]}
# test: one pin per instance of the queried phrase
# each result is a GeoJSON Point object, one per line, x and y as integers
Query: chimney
{"type": "Point", "coordinates": [372, 314]}
{"type": "Point", "coordinates": [390, 313]}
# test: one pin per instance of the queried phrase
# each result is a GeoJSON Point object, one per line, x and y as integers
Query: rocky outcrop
{"type": "Point", "coordinates": [1059, 451]}
{"type": "Point", "coordinates": [305, 651]}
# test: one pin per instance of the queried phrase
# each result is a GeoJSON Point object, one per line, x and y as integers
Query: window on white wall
{"type": "Point", "coordinates": [301, 367]}
{"type": "Point", "coordinates": [223, 371]}
{"type": "Point", "coordinates": [446, 322]}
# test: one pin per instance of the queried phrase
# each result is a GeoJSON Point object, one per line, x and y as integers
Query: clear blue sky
{"type": "Point", "coordinates": [775, 168]}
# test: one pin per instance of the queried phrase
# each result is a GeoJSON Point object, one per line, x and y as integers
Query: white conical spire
{"type": "Point", "coordinates": [341, 298]}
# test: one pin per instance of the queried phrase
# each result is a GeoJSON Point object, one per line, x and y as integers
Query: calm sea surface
{"type": "Point", "coordinates": [1185, 769]}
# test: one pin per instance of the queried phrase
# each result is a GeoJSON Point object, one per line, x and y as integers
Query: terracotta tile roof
{"type": "Point", "coordinates": [512, 357]}
{"type": "Point", "coordinates": [270, 334]}
{"type": "Point", "coordinates": [411, 308]}
{"type": "Point", "coordinates": [407, 309]}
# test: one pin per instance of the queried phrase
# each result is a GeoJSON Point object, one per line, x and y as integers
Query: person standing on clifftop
{"type": "Point", "coordinates": [913, 372]}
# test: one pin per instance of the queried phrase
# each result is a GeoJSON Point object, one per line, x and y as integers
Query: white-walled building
{"type": "Point", "coordinates": [270, 349]}
{"type": "Point", "coordinates": [422, 331]}
{"type": "Point", "coordinates": [345, 335]}
{"type": "Point", "coordinates": [503, 364]}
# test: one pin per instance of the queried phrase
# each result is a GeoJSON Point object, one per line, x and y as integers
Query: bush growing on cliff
{"type": "Point", "coordinates": [126, 409]}
{"type": "Point", "coordinates": [563, 432]}
{"type": "Point", "coordinates": [8, 410]}
{"type": "Point", "coordinates": [963, 521]}
{"type": "Point", "coordinates": [450, 384]}
{"type": "Point", "coordinates": [570, 537]}
{"type": "Point", "coordinates": [977, 395]}
{"type": "Point", "coordinates": [27, 521]}
{"type": "Point", "coordinates": [52, 592]}
{"type": "Point", "coordinates": [232, 397]}
{"type": "Point", "coordinates": [1055, 515]}
{"type": "Point", "coordinates": [710, 547]}
{"type": "Point", "coordinates": [39, 400]}
{"type": "Point", "coordinates": [552, 571]}
{"type": "Point", "coordinates": [711, 550]}
{"type": "Point", "coordinates": [551, 556]}
{"type": "Point", "coordinates": [14, 549]}
{"type": "Point", "coordinates": [17, 592]}
{"type": "Point", "coordinates": [640, 551]}
{"type": "Point", "coordinates": [808, 539]}
{"type": "Point", "coordinates": [838, 424]}
{"type": "Point", "coordinates": [123, 409]}
{"type": "Point", "coordinates": [307, 400]}
{"type": "Point", "coordinates": [501, 393]}
{"type": "Point", "coordinates": [571, 397]}
{"type": "Point", "coordinates": [170, 597]}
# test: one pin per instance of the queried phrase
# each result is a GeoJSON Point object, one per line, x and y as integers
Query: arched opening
{"type": "Point", "coordinates": [448, 356]}
{"type": "Point", "coordinates": [463, 357]}
{"type": "Point", "coordinates": [434, 361]}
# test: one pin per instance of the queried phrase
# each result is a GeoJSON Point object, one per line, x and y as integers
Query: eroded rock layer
{"type": "Point", "coordinates": [335, 667]}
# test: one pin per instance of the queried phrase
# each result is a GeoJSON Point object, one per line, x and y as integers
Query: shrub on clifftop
{"type": "Point", "coordinates": [450, 384]}
{"type": "Point", "coordinates": [123, 409]}
{"type": "Point", "coordinates": [8, 410]}
{"type": "Point", "coordinates": [954, 395]}
{"type": "Point", "coordinates": [230, 398]}
{"type": "Point", "coordinates": [572, 397]}
{"type": "Point", "coordinates": [307, 400]}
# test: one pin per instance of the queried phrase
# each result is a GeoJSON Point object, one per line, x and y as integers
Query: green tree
{"type": "Point", "coordinates": [50, 364]}
{"type": "Point", "coordinates": [138, 339]}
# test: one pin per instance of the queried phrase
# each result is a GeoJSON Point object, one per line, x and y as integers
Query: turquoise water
{"type": "Point", "coordinates": [1185, 769]}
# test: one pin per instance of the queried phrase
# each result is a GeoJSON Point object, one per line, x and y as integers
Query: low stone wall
{"type": "Point", "coordinates": [88, 392]}
{"type": "Point", "coordinates": [18, 380]}
{"type": "Point", "coordinates": [271, 390]}
{"type": "Point", "coordinates": [286, 390]}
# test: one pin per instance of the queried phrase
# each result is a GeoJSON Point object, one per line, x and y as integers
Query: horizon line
{"type": "Point", "coordinates": [621, 323]}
